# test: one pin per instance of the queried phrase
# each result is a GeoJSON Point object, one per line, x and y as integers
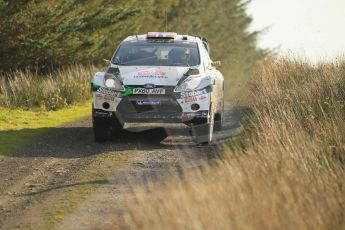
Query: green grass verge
{"type": "Point", "coordinates": [17, 126]}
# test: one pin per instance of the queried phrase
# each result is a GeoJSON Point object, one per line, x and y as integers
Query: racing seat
{"type": "Point", "coordinates": [177, 55]}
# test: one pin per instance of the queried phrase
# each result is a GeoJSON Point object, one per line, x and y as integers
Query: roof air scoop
{"type": "Point", "coordinates": [161, 35]}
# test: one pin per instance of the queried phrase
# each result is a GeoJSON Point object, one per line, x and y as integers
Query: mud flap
{"type": "Point", "coordinates": [201, 133]}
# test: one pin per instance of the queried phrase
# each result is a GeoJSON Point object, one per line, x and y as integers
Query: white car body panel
{"type": "Point", "coordinates": [158, 75]}
{"type": "Point", "coordinates": [162, 76]}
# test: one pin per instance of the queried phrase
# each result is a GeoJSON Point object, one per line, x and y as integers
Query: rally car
{"type": "Point", "coordinates": [162, 78]}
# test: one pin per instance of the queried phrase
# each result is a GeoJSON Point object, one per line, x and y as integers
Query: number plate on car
{"type": "Point", "coordinates": [148, 102]}
{"type": "Point", "coordinates": [148, 91]}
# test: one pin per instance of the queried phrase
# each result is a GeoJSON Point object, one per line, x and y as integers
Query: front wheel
{"type": "Point", "coordinates": [105, 128]}
{"type": "Point", "coordinates": [219, 121]}
{"type": "Point", "coordinates": [101, 129]}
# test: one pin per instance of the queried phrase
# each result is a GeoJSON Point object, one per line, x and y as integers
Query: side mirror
{"type": "Point", "coordinates": [216, 64]}
{"type": "Point", "coordinates": [106, 61]}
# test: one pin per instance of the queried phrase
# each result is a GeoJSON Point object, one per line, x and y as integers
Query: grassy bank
{"type": "Point", "coordinates": [290, 174]}
{"type": "Point", "coordinates": [17, 126]}
{"type": "Point", "coordinates": [64, 87]}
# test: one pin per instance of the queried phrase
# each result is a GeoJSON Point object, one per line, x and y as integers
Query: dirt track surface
{"type": "Point", "coordinates": [64, 180]}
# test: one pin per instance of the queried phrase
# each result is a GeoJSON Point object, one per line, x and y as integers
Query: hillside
{"type": "Point", "coordinates": [44, 34]}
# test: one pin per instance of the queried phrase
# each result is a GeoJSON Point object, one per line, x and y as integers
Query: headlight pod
{"type": "Point", "coordinates": [192, 83]}
{"type": "Point", "coordinates": [111, 81]}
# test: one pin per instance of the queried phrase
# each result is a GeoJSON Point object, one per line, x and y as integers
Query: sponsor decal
{"type": "Point", "coordinates": [151, 74]}
{"type": "Point", "coordinates": [190, 99]}
{"type": "Point", "coordinates": [193, 93]}
{"type": "Point", "coordinates": [148, 91]}
{"type": "Point", "coordinates": [109, 97]}
{"type": "Point", "coordinates": [128, 91]}
{"type": "Point", "coordinates": [148, 102]}
{"type": "Point", "coordinates": [94, 87]}
{"type": "Point", "coordinates": [99, 96]}
{"type": "Point", "coordinates": [106, 91]}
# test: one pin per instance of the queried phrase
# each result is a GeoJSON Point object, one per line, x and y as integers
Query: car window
{"type": "Point", "coordinates": [157, 54]}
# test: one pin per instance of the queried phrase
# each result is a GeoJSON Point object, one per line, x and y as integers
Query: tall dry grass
{"type": "Point", "coordinates": [291, 173]}
{"type": "Point", "coordinates": [52, 91]}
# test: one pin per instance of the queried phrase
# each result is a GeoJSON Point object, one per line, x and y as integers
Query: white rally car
{"type": "Point", "coordinates": [163, 78]}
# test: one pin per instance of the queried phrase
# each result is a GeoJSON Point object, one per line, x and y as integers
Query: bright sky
{"type": "Point", "coordinates": [308, 29]}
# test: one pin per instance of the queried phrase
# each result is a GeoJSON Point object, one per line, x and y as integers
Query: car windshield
{"type": "Point", "coordinates": [157, 54]}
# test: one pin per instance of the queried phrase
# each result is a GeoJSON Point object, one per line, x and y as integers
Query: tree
{"type": "Point", "coordinates": [43, 34]}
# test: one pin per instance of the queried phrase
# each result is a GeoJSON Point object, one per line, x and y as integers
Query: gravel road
{"type": "Point", "coordinates": [64, 180]}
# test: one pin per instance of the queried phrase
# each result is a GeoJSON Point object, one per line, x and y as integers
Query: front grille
{"type": "Point", "coordinates": [167, 104]}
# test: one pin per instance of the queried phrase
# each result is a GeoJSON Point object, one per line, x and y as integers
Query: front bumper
{"type": "Point", "coordinates": [172, 107]}
{"type": "Point", "coordinates": [154, 117]}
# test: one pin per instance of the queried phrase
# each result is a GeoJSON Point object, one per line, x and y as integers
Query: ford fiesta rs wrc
{"type": "Point", "coordinates": [159, 78]}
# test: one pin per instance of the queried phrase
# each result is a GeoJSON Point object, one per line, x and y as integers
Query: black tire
{"type": "Point", "coordinates": [218, 122]}
{"type": "Point", "coordinates": [219, 117]}
{"type": "Point", "coordinates": [101, 129]}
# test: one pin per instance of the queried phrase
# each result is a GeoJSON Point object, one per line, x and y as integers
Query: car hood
{"type": "Point", "coordinates": [157, 75]}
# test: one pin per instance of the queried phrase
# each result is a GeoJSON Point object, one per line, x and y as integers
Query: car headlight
{"type": "Point", "coordinates": [192, 83]}
{"type": "Point", "coordinates": [111, 81]}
